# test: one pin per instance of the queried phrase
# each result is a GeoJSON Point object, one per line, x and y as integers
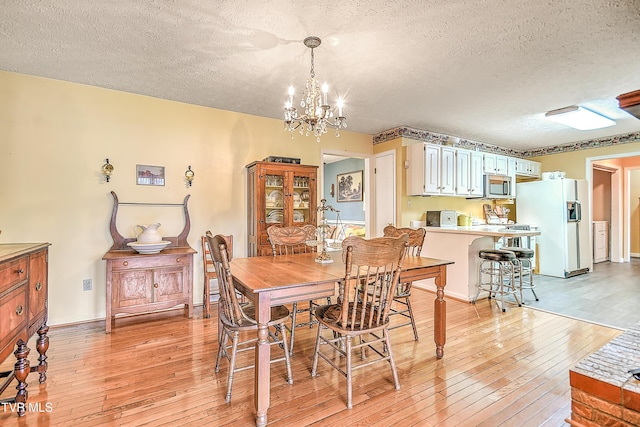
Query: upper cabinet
{"type": "Point", "coordinates": [278, 194]}
{"type": "Point", "coordinates": [527, 168]}
{"type": "Point", "coordinates": [439, 170]}
{"type": "Point", "coordinates": [436, 170]}
{"type": "Point", "coordinates": [469, 173]}
{"type": "Point", "coordinates": [495, 164]}
{"type": "Point", "coordinates": [431, 170]}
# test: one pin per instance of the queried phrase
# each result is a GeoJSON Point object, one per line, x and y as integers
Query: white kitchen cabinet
{"type": "Point", "coordinates": [600, 241]}
{"type": "Point", "coordinates": [527, 168]}
{"type": "Point", "coordinates": [511, 172]}
{"type": "Point", "coordinates": [495, 164]}
{"type": "Point", "coordinates": [431, 170]}
{"type": "Point", "coordinates": [468, 173]}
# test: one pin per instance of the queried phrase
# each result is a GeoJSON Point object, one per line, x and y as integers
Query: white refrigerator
{"type": "Point", "coordinates": [560, 210]}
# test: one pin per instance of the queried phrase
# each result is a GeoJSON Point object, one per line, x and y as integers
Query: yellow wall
{"type": "Point", "coordinates": [54, 138]}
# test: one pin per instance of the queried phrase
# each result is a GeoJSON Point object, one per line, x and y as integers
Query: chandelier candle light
{"type": "Point", "coordinates": [317, 115]}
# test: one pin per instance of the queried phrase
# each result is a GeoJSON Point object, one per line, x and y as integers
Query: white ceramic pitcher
{"type": "Point", "coordinates": [149, 233]}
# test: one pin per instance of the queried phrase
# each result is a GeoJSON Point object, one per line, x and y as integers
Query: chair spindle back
{"type": "Point", "coordinates": [291, 240]}
{"type": "Point", "coordinates": [231, 311]}
{"type": "Point", "coordinates": [372, 273]}
{"type": "Point", "coordinates": [416, 237]}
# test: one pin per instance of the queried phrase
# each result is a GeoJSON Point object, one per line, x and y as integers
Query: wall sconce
{"type": "Point", "coordinates": [190, 175]}
{"type": "Point", "coordinates": [107, 170]}
{"type": "Point", "coordinates": [333, 190]}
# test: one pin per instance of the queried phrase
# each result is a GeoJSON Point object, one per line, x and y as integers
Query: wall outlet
{"type": "Point", "coordinates": [86, 285]}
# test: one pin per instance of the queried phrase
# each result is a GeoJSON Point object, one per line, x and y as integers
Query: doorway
{"type": "Point", "coordinates": [334, 163]}
{"type": "Point", "coordinates": [624, 204]}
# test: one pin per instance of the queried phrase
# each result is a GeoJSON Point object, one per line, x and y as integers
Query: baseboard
{"type": "Point", "coordinates": [634, 255]}
{"type": "Point", "coordinates": [447, 295]}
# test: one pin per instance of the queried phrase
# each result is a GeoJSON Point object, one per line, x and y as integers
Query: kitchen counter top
{"type": "Point", "coordinates": [483, 230]}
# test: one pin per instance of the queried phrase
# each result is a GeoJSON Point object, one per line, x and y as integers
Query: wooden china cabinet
{"type": "Point", "coordinates": [278, 194]}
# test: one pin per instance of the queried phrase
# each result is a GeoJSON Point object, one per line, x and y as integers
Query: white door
{"type": "Point", "coordinates": [385, 191]}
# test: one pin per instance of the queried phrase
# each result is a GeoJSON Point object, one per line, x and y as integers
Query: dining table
{"type": "Point", "coordinates": [284, 279]}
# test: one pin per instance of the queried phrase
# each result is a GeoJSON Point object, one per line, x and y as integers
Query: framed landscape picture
{"type": "Point", "coordinates": [350, 186]}
{"type": "Point", "coordinates": [149, 175]}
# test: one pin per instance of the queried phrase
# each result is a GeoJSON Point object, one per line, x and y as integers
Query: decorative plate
{"type": "Point", "coordinates": [298, 216]}
{"type": "Point", "coordinates": [274, 217]}
{"type": "Point", "coordinates": [149, 248]}
{"type": "Point", "coordinates": [274, 198]}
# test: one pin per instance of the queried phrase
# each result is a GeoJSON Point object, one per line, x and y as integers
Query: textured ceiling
{"type": "Point", "coordinates": [480, 70]}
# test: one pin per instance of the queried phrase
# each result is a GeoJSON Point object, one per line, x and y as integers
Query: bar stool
{"type": "Point", "coordinates": [498, 266]}
{"type": "Point", "coordinates": [523, 269]}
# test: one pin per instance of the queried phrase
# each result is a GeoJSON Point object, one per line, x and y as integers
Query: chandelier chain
{"type": "Point", "coordinates": [313, 71]}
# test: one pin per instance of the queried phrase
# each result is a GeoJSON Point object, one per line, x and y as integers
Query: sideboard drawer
{"type": "Point", "coordinates": [12, 273]}
{"type": "Point", "coordinates": [14, 315]}
{"type": "Point", "coordinates": [151, 261]}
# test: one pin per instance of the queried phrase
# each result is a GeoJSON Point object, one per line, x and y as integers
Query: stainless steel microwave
{"type": "Point", "coordinates": [498, 186]}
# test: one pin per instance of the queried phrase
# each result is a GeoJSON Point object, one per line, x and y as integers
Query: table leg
{"type": "Point", "coordinates": [42, 345]}
{"type": "Point", "coordinates": [440, 313]}
{"type": "Point", "coordinates": [262, 359]}
{"type": "Point", "coordinates": [21, 370]}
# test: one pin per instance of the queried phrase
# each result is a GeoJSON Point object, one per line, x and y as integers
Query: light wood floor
{"type": "Point", "coordinates": [508, 369]}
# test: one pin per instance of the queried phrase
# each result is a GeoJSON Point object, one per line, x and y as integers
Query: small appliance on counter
{"type": "Point", "coordinates": [442, 218]}
{"type": "Point", "coordinates": [464, 220]}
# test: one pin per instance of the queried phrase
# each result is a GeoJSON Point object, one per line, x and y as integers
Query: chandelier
{"type": "Point", "coordinates": [317, 115]}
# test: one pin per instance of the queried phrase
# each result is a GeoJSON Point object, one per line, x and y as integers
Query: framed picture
{"type": "Point", "coordinates": [149, 175]}
{"type": "Point", "coordinates": [350, 186]}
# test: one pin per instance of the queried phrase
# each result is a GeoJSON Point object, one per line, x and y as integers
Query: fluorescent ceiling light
{"type": "Point", "coordinates": [579, 118]}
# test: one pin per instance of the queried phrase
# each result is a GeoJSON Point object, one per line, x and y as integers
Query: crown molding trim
{"type": "Point", "coordinates": [442, 139]}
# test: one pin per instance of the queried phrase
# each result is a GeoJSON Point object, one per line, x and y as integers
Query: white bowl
{"type": "Point", "coordinates": [149, 248]}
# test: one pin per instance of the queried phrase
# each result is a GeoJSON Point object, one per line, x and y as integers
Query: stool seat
{"type": "Point", "coordinates": [497, 255]}
{"type": "Point", "coordinates": [520, 252]}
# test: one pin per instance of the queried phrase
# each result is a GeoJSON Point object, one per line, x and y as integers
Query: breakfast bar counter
{"type": "Point", "coordinates": [461, 245]}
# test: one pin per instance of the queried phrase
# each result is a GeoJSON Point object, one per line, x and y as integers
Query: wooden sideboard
{"type": "Point", "coordinates": [23, 312]}
{"type": "Point", "coordinates": [138, 283]}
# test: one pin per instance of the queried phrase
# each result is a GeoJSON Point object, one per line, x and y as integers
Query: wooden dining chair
{"type": "Point", "coordinates": [238, 318]}
{"type": "Point", "coordinates": [372, 272]}
{"type": "Point", "coordinates": [293, 240]}
{"type": "Point", "coordinates": [403, 292]}
{"type": "Point", "coordinates": [210, 274]}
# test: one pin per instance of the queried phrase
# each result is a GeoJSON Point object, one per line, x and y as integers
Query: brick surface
{"type": "Point", "coordinates": [603, 393]}
{"type": "Point", "coordinates": [608, 408]}
{"type": "Point", "coordinates": [596, 387]}
{"type": "Point", "coordinates": [583, 421]}
{"type": "Point", "coordinates": [630, 399]}
{"type": "Point", "coordinates": [632, 417]}
{"type": "Point", "coordinates": [581, 410]}
{"type": "Point", "coordinates": [605, 420]}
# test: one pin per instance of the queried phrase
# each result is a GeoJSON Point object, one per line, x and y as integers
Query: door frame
{"type": "Point", "coordinates": [620, 227]}
{"type": "Point", "coordinates": [369, 190]}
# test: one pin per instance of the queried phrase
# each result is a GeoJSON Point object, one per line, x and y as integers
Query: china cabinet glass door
{"type": "Point", "coordinates": [301, 199]}
{"type": "Point", "coordinates": [274, 198]}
